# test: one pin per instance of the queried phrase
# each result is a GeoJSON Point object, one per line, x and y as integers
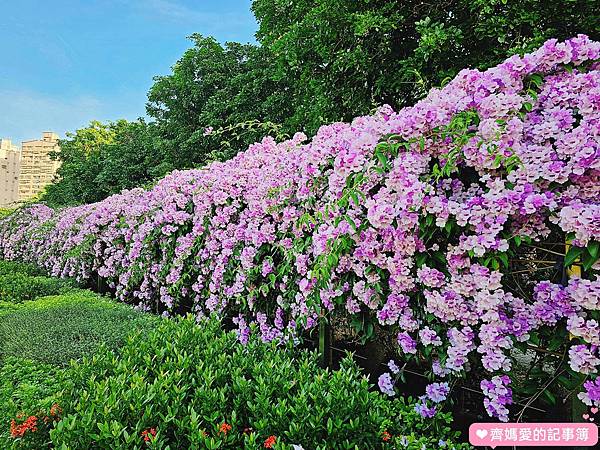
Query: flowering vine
{"type": "Point", "coordinates": [410, 218]}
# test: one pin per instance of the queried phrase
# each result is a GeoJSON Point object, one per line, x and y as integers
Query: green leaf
{"type": "Point", "coordinates": [588, 261]}
{"type": "Point", "coordinates": [572, 255]}
{"type": "Point", "coordinates": [593, 248]}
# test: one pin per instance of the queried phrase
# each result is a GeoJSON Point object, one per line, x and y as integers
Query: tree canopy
{"type": "Point", "coordinates": [315, 62]}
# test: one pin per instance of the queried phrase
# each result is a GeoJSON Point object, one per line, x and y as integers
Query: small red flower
{"type": "Point", "coordinates": [19, 430]}
{"type": "Point", "coordinates": [270, 441]}
{"type": "Point", "coordinates": [224, 428]}
{"type": "Point", "coordinates": [149, 434]}
{"type": "Point", "coordinates": [386, 436]}
{"type": "Point", "coordinates": [55, 410]}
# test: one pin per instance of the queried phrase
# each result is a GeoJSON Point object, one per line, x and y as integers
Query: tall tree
{"type": "Point", "coordinates": [103, 159]}
{"type": "Point", "coordinates": [80, 156]}
{"type": "Point", "coordinates": [343, 57]}
{"type": "Point", "coordinates": [213, 86]}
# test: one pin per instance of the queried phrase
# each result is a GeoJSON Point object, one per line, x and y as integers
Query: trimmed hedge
{"type": "Point", "coordinates": [195, 387]}
{"type": "Point", "coordinates": [56, 329]}
{"type": "Point", "coordinates": [12, 267]}
{"type": "Point", "coordinates": [19, 287]}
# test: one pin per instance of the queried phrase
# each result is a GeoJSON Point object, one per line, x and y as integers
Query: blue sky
{"type": "Point", "coordinates": [66, 62]}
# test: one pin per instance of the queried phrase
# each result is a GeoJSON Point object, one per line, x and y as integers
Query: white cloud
{"type": "Point", "coordinates": [25, 114]}
{"type": "Point", "coordinates": [210, 22]}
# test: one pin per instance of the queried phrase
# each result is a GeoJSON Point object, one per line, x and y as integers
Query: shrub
{"type": "Point", "coordinates": [28, 389]}
{"type": "Point", "coordinates": [19, 287]}
{"type": "Point", "coordinates": [191, 386]}
{"type": "Point", "coordinates": [12, 267]}
{"type": "Point", "coordinates": [5, 212]}
{"type": "Point", "coordinates": [57, 329]}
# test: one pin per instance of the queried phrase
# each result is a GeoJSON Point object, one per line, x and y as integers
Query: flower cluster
{"type": "Point", "coordinates": [591, 396]}
{"type": "Point", "coordinates": [270, 441]}
{"type": "Point", "coordinates": [498, 395]}
{"type": "Point", "coordinates": [406, 216]}
{"type": "Point", "coordinates": [19, 430]}
{"type": "Point", "coordinates": [149, 434]}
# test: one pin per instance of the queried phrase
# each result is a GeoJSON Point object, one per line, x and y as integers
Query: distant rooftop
{"type": "Point", "coordinates": [47, 136]}
{"type": "Point", "coordinates": [6, 144]}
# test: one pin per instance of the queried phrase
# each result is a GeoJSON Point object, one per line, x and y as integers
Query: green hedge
{"type": "Point", "coordinates": [28, 388]}
{"type": "Point", "coordinates": [12, 267]}
{"type": "Point", "coordinates": [118, 373]}
{"type": "Point", "coordinates": [196, 387]}
{"type": "Point", "coordinates": [37, 341]}
{"type": "Point", "coordinates": [19, 287]}
{"type": "Point", "coordinates": [56, 329]}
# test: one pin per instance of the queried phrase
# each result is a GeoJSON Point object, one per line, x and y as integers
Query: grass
{"type": "Point", "coordinates": [57, 329]}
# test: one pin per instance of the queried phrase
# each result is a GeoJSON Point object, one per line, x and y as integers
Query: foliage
{"type": "Point", "coordinates": [196, 388]}
{"type": "Point", "coordinates": [18, 287]}
{"type": "Point", "coordinates": [433, 224]}
{"type": "Point", "coordinates": [103, 159]}
{"type": "Point", "coordinates": [217, 86]}
{"type": "Point", "coordinates": [80, 163]}
{"type": "Point", "coordinates": [5, 212]}
{"type": "Point", "coordinates": [341, 58]}
{"type": "Point", "coordinates": [28, 389]}
{"type": "Point", "coordinates": [54, 330]}
{"type": "Point", "coordinates": [14, 267]}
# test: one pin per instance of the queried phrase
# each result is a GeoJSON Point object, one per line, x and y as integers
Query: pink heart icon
{"type": "Point", "coordinates": [594, 410]}
{"type": "Point", "coordinates": [586, 416]}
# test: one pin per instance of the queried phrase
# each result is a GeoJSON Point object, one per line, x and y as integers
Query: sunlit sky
{"type": "Point", "coordinates": [64, 63]}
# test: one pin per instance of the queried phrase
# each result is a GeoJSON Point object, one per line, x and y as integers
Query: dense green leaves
{"type": "Point", "coordinates": [342, 57]}
{"type": "Point", "coordinates": [28, 388]}
{"type": "Point", "coordinates": [214, 86]}
{"type": "Point", "coordinates": [18, 287]}
{"type": "Point", "coordinates": [185, 381]}
{"type": "Point", "coordinates": [103, 159]}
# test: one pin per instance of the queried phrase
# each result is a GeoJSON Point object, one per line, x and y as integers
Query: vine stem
{"type": "Point", "coordinates": [540, 392]}
{"type": "Point", "coordinates": [546, 250]}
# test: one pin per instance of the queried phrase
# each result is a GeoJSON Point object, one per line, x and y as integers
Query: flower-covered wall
{"type": "Point", "coordinates": [413, 219]}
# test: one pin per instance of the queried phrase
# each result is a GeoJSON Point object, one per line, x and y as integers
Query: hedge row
{"type": "Point", "coordinates": [78, 371]}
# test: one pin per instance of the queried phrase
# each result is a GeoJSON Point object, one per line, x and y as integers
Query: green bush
{"type": "Point", "coordinates": [29, 389]}
{"type": "Point", "coordinates": [19, 287]}
{"type": "Point", "coordinates": [196, 387]}
{"type": "Point", "coordinates": [12, 267]}
{"type": "Point", "coordinates": [56, 329]}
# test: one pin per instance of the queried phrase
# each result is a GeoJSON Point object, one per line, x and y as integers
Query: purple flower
{"type": "Point", "coordinates": [210, 236]}
{"type": "Point", "coordinates": [407, 343]}
{"type": "Point", "coordinates": [498, 395]}
{"type": "Point", "coordinates": [424, 410]}
{"type": "Point", "coordinates": [393, 367]}
{"type": "Point", "coordinates": [437, 392]}
{"type": "Point", "coordinates": [584, 359]}
{"type": "Point", "coordinates": [386, 385]}
{"type": "Point", "coordinates": [429, 337]}
{"type": "Point", "coordinates": [591, 396]}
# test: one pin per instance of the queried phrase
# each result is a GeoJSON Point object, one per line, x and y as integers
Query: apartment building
{"type": "Point", "coordinates": [37, 168]}
{"type": "Point", "coordinates": [10, 163]}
